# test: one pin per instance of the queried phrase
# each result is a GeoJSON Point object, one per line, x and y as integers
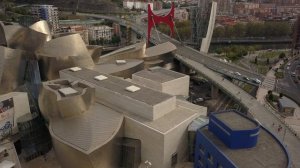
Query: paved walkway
{"type": "Point", "coordinates": [267, 117]}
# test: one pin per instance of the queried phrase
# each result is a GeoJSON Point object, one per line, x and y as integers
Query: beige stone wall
{"type": "Point", "coordinates": [178, 86]}
{"type": "Point", "coordinates": [152, 148]}
{"type": "Point", "coordinates": [176, 141]}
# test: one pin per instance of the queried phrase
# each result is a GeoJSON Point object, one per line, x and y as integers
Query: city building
{"type": "Point", "coordinates": [142, 5]}
{"type": "Point", "coordinates": [100, 32]}
{"type": "Point", "coordinates": [224, 7]}
{"type": "Point", "coordinates": [48, 13]}
{"type": "Point", "coordinates": [181, 15]}
{"type": "Point", "coordinates": [98, 120]}
{"type": "Point", "coordinates": [116, 29]}
{"type": "Point", "coordinates": [77, 29]}
{"type": "Point", "coordinates": [232, 140]}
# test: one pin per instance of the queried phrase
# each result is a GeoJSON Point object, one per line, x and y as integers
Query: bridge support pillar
{"type": "Point", "coordinates": [183, 68]}
{"type": "Point", "coordinates": [214, 92]}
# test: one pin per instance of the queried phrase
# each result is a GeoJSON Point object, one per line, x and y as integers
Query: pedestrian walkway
{"type": "Point", "coordinates": [269, 83]}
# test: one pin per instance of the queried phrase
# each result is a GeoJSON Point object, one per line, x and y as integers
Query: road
{"type": "Point", "coordinates": [287, 85]}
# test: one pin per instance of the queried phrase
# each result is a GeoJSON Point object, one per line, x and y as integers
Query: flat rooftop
{"type": "Point", "coordinates": [113, 67]}
{"type": "Point", "coordinates": [145, 95]}
{"type": "Point", "coordinates": [89, 131]}
{"type": "Point", "coordinates": [235, 121]}
{"type": "Point", "coordinates": [267, 153]}
{"type": "Point", "coordinates": [159, 74]}
{"type": "Point", "coordinates": [183, 111]}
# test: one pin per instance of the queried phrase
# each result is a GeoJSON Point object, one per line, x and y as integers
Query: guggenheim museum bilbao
{"type": "Point", "coordinates": [123, 109]}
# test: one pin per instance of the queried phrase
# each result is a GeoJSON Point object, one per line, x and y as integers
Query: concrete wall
{"type": "Point", "coordinates": [178, 86]}
{"type": "Point", "coordinates": [152, 141]}
{"type": "Point", "coordinates": [176, 141]}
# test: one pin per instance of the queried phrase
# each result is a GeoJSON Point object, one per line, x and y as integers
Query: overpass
{"type": "Point", "coordinates": [200, 62]}
{"type": "Point", "coordinates": [252, 41]}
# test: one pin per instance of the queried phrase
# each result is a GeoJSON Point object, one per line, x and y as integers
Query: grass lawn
{"type": "Point", "coordinates": [263, 69]}
{"type": "Point", "coordinates": [248, 88]}
{"type": "Point", "coordinates": [270, 54]}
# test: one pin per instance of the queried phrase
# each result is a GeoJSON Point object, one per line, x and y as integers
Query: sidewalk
{"type": "Point", "coordinates": [293, 121]}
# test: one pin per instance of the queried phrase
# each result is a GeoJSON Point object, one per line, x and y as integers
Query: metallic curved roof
{"type": "Point", "coordinates": [68, 46]}
{"type": "Point", "coordinates": [160, 49]}
{"type": "Point", "coordinates": [19, 37]}
{"type": "Point", "coordinates": [75, 119]}
{"type": "Point", "coordinates": [12, 65]}
{"type": "Point", "coordinates": [42, 27]}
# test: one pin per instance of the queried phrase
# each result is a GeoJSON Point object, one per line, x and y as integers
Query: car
{"type": "Point", "coordinates": [245, 77]}
{"type": "Point", "coordinates": [237, 73]}
{"type": "Point", "coordinates": [288, 64]}
{"type": "Point", "coordinates": [200, 99]}
{"type": "Point", "coordinates": [288, 68]}
{"type": "Point", "coordinates": [256, 80]}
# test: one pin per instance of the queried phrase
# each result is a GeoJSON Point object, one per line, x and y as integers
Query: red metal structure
{"type": "Point", "coordinates": [153, 20]}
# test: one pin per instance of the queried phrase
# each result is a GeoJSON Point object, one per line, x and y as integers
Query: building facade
{"type": "Point", "coordinates": [77, 29]}
{"type": "Point", "coordinates": [100, 32]}
{"type": "Point", "coordinates": [142, 5]}
{"type": "Point", "coordinates": [232, 140]}
{"type": "Point", "coordinates": [48, 13]}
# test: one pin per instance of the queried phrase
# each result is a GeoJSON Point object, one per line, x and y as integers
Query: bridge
{"type": "Point", "coordinates": [202, 64]}
{"type": "Point", "coordinates": [252, 41]}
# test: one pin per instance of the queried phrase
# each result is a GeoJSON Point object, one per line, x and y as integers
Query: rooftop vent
{"type": "Point", "coordinates": [120, 62]}
{"type": "Point", "coordinates": [132, 88]}
{"type": "Point", "coordinates": [74, 69]}
{"type": "Point", "coordinates": [67, 91]}
{"type": "Point", "coordinates": [100, 77]}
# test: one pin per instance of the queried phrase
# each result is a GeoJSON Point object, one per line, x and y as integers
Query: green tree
{"type": "Point", "coordinates": [239, 30]}
{"type": "Point", "coordinates": [282, 55]}
{"type": "Point", "coordinates": [229, 32]}
{"type": "Point", "coordinates": [219, 32]}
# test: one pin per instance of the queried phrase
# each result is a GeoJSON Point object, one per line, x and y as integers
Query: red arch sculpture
{"type": "Point", "coordinates": [154, 19]}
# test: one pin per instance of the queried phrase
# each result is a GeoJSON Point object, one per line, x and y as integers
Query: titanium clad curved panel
{"type": "Point", "coordinates": [106, 156]}
{"type": "Point", "coordinates": [19, 37]}
{"type": "Point", "coordinates": [53, 104]}
{"type": "Point", "coordinates": [95, 52]}
{"type": "Point", "coordinates": [42, 27]}
{"type": "Point", "coordinates": [12, 69]}
{"type": "Point", "coordinates": [61, 53]}
{"type": "Point", "coordinates": [136, 51]}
